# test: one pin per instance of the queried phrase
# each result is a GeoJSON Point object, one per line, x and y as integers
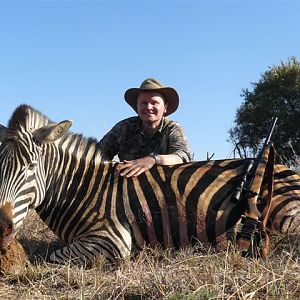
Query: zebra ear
{"type": "Point", "coordinates": [52, 132]}
{"type": "Point", "coordinates": [3, 132]}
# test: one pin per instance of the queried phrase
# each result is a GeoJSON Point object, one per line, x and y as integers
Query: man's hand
{"type": "Point", "coordinates": [136, 167]}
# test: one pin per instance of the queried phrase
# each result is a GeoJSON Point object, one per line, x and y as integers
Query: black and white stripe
{"type": "Point", "coordinates": [96, 211]}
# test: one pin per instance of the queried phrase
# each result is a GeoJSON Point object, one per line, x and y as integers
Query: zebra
{"type": "Point", "coordinates": [85, 202]}
{"type": "Point", "coordinates": [285, 207]}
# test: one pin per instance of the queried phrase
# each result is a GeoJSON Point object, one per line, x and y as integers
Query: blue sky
{"type": "Point", "coordinates": [75, 59]}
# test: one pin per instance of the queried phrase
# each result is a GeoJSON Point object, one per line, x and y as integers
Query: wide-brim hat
{"type": "Point", "coordinates": [170, 95]}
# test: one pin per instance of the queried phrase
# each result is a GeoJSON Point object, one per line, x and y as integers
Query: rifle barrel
{"type": "Point", "coordinates": [271, 130]}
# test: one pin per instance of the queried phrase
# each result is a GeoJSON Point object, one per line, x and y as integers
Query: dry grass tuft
{"type": "Point", "coordinates": [155, 274]}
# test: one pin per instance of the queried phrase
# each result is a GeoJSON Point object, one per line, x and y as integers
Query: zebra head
{"type": "Point", "coordinates": [22, 183]}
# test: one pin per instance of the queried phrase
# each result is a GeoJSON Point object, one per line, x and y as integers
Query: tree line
{"type": "Point", "coordinates": [275, 94]}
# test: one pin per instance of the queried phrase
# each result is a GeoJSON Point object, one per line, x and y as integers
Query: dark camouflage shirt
{"type": "Point", "coordinates": [128, 140]}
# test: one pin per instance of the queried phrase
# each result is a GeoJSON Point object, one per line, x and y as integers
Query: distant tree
{"type": "Point", "coordinates": [277, 93]}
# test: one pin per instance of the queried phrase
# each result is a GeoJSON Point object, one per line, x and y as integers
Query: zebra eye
{"type": "Point", "coordinates": [31, 166]}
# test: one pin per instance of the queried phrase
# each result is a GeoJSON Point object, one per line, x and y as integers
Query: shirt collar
{"type": "Point", "coordinates": [159, 128]}
{"type": "Point", "coordinates": [161, 125]}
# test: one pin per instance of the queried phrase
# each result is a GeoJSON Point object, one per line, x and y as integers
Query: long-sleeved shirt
{"type": "Point", "coordinates": [128, 140]}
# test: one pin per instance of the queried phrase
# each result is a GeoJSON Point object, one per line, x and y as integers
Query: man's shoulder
{"type": "Point", "coordinates": [134, 119]}
{"type": "Point", "coordinates": [128, 121]}
{"type": "Point", "coordinates": [170, 123]}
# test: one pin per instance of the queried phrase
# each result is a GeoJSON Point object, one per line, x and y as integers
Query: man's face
{"type": "Point", "coordinates": [151, 107]}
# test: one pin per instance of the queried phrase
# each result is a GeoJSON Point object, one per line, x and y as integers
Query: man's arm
{"type": "Point", "coordinates": [137, 166]}
{"type": "Point", "coordinates": [178, 142]}
{"type": "Point", "coordinates": [109, 145]}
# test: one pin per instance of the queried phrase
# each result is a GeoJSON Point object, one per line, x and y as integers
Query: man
{"type": "Point", "coordinates": [149, 138]}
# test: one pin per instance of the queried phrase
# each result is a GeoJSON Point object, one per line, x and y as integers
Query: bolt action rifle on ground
{"type": "Point", "coordinates": [252, 238]}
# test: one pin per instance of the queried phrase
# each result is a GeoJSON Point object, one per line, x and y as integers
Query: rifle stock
{"type": "Point", "coordinates": [257, 175]}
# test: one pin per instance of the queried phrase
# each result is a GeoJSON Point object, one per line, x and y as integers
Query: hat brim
{"type": "Point", "coordinates": [169, 94]}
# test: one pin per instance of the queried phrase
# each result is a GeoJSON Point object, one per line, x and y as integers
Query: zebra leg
{"type": "Point", "coordinates": [285, 213]}
{"type": "Point", "coordinates": [85, 249]}
{"type": "Point", "coordinates": [289, 223]}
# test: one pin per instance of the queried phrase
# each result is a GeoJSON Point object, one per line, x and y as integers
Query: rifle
{"type": "Point", "coordinates": [252, 231]}
{"type": "Point", "coordinates": [250, 170]}
{"type": "Point", "coordinates": [258, 171]}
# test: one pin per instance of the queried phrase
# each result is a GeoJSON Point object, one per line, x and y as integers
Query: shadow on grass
{"type": "Point", "coordinates": [39, 250]}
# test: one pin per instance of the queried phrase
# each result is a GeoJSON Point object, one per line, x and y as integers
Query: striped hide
{"type": "Point", "coordinates": [95, 211]}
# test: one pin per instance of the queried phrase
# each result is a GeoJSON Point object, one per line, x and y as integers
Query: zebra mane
{"type": "Point", "coordinates": [30, 118]}
{"type": "Point", "coordinates": [27, 117]}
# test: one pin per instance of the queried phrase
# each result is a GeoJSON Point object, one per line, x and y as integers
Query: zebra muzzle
{"type": "Point", "coordinates": [7, 235]}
